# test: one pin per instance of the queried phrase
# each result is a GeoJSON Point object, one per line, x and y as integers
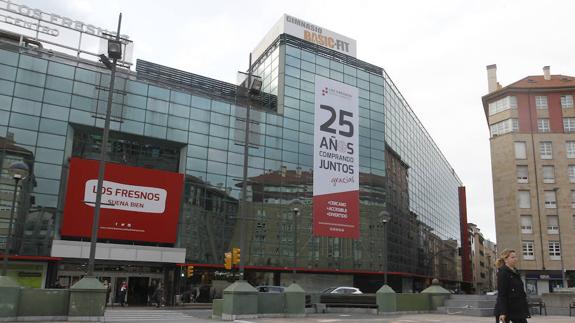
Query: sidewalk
{"type": "Point", "coordinates": [334, 318]}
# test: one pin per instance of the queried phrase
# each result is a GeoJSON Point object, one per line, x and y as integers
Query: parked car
{"type": "Point", "coordinates": [341, 290]}
{"type": "Point", "coordinates": [270, 289]}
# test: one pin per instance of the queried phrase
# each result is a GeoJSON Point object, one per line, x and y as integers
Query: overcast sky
{"type": "Point", "coordinates": [435, 52]}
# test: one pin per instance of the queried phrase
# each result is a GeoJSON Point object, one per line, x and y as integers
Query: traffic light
{"type": "Point", "coordinates": [236, 256]}
{"type": "Point", "coordinates": [228, 260]}
{"type": "Point", "coordinates": [190, 271]}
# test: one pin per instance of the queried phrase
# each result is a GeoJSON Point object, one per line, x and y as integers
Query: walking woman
{"type": "Point", "coordinates": [511, 303]}
{"type": "Point", "coordinates": [122, 293]}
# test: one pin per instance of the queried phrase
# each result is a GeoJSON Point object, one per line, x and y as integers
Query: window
{"type": "Point", "coordinates": [526, 224]}
{"type": "Point", "coordinates": [543, 125]}
{"type": "Point", "coordinates": [546, 150]}
{"type": "Point", "coordinates": [521, 150]}
{"type": "Point", "coordinates": [522, 174]}
{"type": "Point", "coordinates": [527, 247]}
{"type": "Point", "coordinates": [552, 224]}
{"type": "Point", "coordinates": [550, 200]}
{"type": "Point", "coordinates": [554, 250]}
{"type": "Point", "coordinates": [571, 173]}
{"type": "Point", "coordinates": [541, 102]}
{"type": "Point", "coordinates": [509, 102]}
{"type": "Point", "coordinates": [503, 127]}
{"type": "Point", "coordinates": [566, 101]}
{"type": "Point", "coordinates": [548, 174]}
{"type": "Point", "coordinates": [573, 199]}
{"type": "Point", "coordinates": [570, 149]}
{"type": "Point", "coordinates": [569, 124]}
{"type": "Point", "coordinates": [524, 199]}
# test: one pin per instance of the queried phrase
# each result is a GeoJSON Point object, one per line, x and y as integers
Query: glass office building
{"type": "Point", "coordinates": [52, 105]}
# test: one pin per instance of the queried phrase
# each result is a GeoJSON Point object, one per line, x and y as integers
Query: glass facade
{"type": "Point", "coordinates": [432, 181]}
{"type": "Point", "coordinates": [53, 106]}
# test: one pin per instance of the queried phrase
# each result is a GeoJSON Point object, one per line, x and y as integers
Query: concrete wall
{"type": "Point", "coordinates": [9, 300]}
{"type": "Point", "coordinates": [43, 302]}
{"type": "Point", "coordinates": [271, 303]}
{"type": "Point", "coordinates": [561, 300]}
{"type": "Point", "coordinates": [413, 302]}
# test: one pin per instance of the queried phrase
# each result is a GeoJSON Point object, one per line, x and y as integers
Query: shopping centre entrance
{"type": "Point", "coordinates": [141, 279]}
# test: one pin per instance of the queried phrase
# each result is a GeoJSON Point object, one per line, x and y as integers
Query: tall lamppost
{"type": "Point", "coordinates": [384, 219]}
{"type": "Point", "coordinates": [563, 277]}
{"type": "Point", "coordinates": [295, 218]}
{"type": "Point", "coordinates": [19, 171]}
{"type": "Point", "coordinates": [115, 53]}
{"type": "Point", "coordinates": [252, 85]}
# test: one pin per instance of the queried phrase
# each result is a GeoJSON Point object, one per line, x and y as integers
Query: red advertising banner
{"type": "Point", "coordinates": [336, 160]}
{"type": "Point", "coordinates": [138, 204]}
{"type": "Point", "coordinates": [336, 215]}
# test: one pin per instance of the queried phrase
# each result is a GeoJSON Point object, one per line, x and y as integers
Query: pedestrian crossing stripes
{"type": "Point", "coordinates": [140, 315]}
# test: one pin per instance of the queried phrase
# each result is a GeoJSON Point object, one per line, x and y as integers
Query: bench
{"type": "Point", "coordinates": [356, 300]}
{"type": "Point", "coordinates": [536, 303]}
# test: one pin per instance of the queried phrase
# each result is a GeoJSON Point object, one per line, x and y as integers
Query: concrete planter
{"type": "Point", "coordinates": [87, 300]}
{"type": "Point", "coordinates": [386, 300]}
{"type": "Point", "coordinates": [294, 300]}
{"type": "Point", "coordinates": [240, 302]}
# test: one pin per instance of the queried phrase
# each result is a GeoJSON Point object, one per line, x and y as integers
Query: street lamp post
{"type": "Point", "coordinates": [385, 268]}
{"type": "Point", "coordinates": [19, 172]}
{"type": "Point", "coordinates": [243, 202]}
{"type": "Point", "coordinates": [384, 219]}
{"type": "Point", "coordinates": [115, 53]}
{"type": "Point", "coordinates": [295, 216]}
{"type": "Point", "coordinates": [252, 86]}
{"type": "Point", "coordinates": [563, 277]}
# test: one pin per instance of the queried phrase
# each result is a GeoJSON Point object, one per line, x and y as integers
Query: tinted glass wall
{"type": "Point", "coordinates": [46, 101]}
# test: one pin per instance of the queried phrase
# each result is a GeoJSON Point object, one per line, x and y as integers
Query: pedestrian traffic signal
{"type": "Point", "coordinates": [190, 271]}
{"type": "Point", "coordinates": [228, 260]}
{"type": "Point", "coordinates": [236, 256]}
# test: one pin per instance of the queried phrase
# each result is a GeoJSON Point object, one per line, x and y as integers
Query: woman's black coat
{"type": "Point", "coordinates": [511, 297]}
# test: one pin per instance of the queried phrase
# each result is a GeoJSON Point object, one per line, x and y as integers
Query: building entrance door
{"type": "Point", "coordinates": [138, 290]}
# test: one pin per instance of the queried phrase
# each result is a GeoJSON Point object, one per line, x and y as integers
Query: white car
{"type": "Point", "coordinates": [341, 290]}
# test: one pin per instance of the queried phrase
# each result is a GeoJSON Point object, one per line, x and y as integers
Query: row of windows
{"type": "Point", "coordinates": [503, 127]}
{"type": "Point", "coordinates": [332, 64]}
{"type": "Point", "coordinates": [552, 224]}
{"type": "Point", "coordinates": [545, 149]}
{"type": "Point", "coordinates": [506, 103]}
{"type": "Point", "coordinates": [542, 104]}
{"type": "Point", "coordinates": [550, 199]}
{"type": "Point", "coordinates": [554, 248]}
{"type": "Point", "coordinates": [568, 125]}
{"type": "Point", "coordinates": [543, 125]}
{"type": "Point", "coordinates": [548, 174]}
{"type": "Point", "coordinates": [61, 76]}
{"type": "Point", "coordinates": [510, 102]}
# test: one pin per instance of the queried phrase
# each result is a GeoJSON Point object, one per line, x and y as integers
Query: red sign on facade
{"type": "Point", "coordinates": [138, 204]}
